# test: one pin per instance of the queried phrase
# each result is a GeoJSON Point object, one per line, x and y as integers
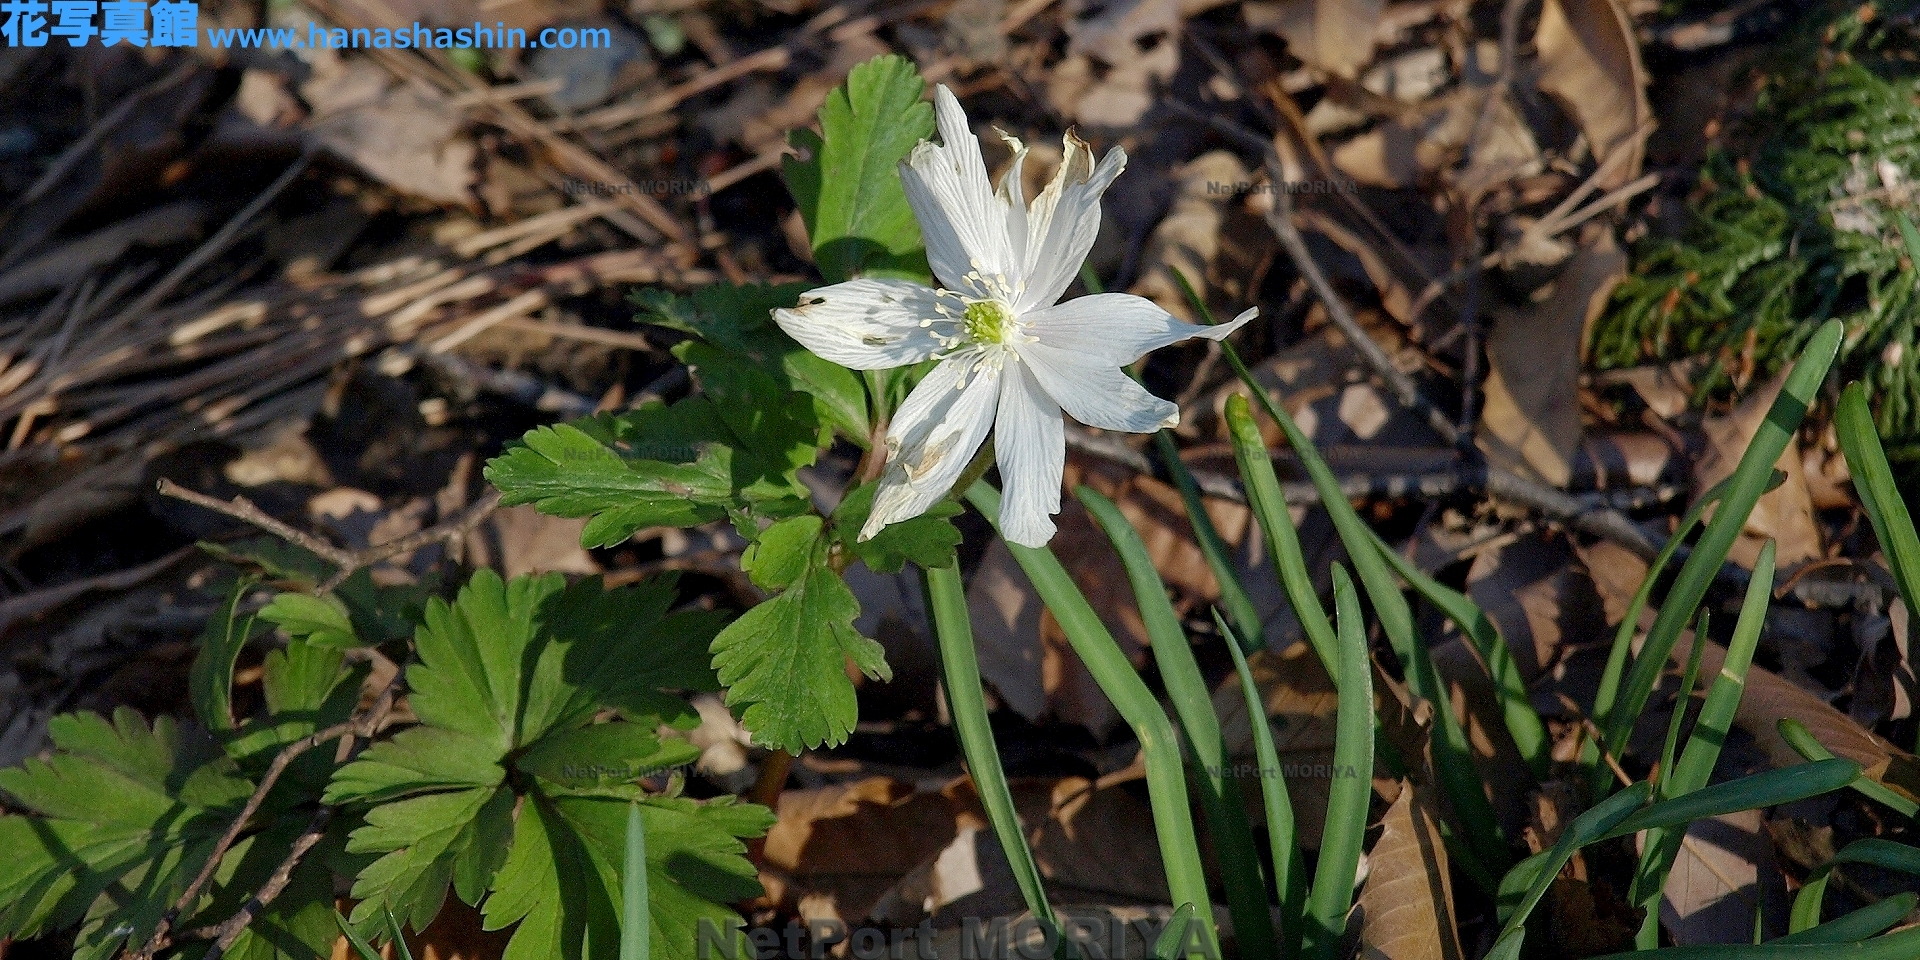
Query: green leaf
{"type": "Point", "coordinates": [431, 842]}
{"type": "Point", "coordinates": [1873, 480]}
{"type": "Point", "coordinates": [416, 760]}
{"type": "Point", "coordinates": [783, 552]}
{"type": "Point", "coordinates": [121, 816]}
{"type": "Point", "coordinates": [607, 752]}
{"type": "Point", "coordinates": [577, 847]}
{"type": "Point", "coordinates": [738, 320]}
{"type": "Point", "coordinates": [636, 926]}
{"type": "Point", "coordinates": [848, 189]}
{"type": "Point", "coordinates": [210, 681]}
{"type": "Point", "coordinates": [927, 541]}
{"type": "Point", "coordinates": [321, 621]}
{"type": "Point", "coordinates": [783, 662]}
{"type": "Point", "coordinates": [566, 473]}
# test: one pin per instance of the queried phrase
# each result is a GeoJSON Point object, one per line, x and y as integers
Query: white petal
{"type": "Point", "coordinates": [1119, 326]}
{"type": "Point", "coordinates": [1013, 197]}
{"type": "Point", "coordinates": [1063, 222]}
{"type": "Point", "coordinates": [868, 324]}
{"type": "Point", "coordinates": [933, 436]}
{"type": "Point", "coordinates": [1097, 392]}
{"type": "Point", "coordinates": [962, 220]}
{"type": "Point", "coordinates": [1029, 441]}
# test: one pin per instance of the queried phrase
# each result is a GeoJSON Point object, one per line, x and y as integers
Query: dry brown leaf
{"type": "Point", "coordinates": [1335, 35]}
{"type": "Point", "coordinates": [1531, 420]}
{"type": "Point", "coordinates": [1784, 514]}
{"type": "Point", "coordinates": [1590, 63]}
{"type": "Point", "coordinates": [1717, 881]}
{"type": "Point", "coordinates": [1406, 907]}
{"type": "Point", "coordinates": [520, 540]}
{"type": "Point", "coordinates": [1117, 51]}
{"type": "Point", "coordinates": [1768, 699]}
{"type": "Point", "coordinates": [1536, 591]}
{"type": "Point", "coordinates": [842, 847]}
{"type": "Point", "coordinates": [1412, 147]}
{"type": "Point", "coordinates": [1201, 225]}
{"type": "Point", "coordinates": [403, 135]}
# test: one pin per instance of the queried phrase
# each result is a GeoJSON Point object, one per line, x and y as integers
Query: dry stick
{"type": "Point", "coordinates": [348, 561]}
{"type": "Point", "coordinates": [281, 761]}
{"type": "Point", "coordinates": [230, 929]}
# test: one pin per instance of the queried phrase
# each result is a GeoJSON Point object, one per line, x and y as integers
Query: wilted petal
{"type": "Point", "coordinates": [1063, 222]}
{"type": "Point", "coordinates": [868, 324]}
{"type": "Point", "coordinates": [933, 436]}
{"type": "Point", "coordinates": [961, 219]}
{"type": "Point", "coordinates": [1029, 441]}
{"type": "Point", "coordinates": [1097, 392]}
{"type": "Point", "coordinates": [1120, 327]}
{"type": "Point", "coordinates": [1012, 197]}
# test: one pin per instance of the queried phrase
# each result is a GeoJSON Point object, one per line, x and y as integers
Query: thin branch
{"type": "Point", "coordinates": [361, 724]}
{"type": "Point", "coordinates": [348, 562]}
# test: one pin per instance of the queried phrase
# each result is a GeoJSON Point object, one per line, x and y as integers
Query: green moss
{"type": "Point", "coordinates": [1803, 227]}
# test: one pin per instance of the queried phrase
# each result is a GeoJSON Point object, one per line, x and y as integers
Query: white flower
{"type": "Point", "coordinates": [1011, 359]}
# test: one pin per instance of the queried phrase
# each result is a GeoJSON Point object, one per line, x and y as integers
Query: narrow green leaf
{"type": "Point", "coordinates": [1903, 945]}
{"type": "Point", "coordinates": [1764, 789]}
{"type": "Point", "coordinates": [1662, 847]}
{"type": "Point", "coordinates": [1878, 852]}
{"type": "Point", "coordinates": [1535, 874]}
{"type": "Point", "coordinates": [1283, 850]}
{"type": "Point", "coordinates": [966, 701]}
{"type": "Point", "coordinates": [636, 926]}
{"type": "Point", "coordinates": [1347, 797]}
{"type": "Point", "coordinates": [1276, 524]}
{"type": "Point", "coordinates": [1873, 481]}
{"type": "Point", "coordinates": [1172, 940]}
{"type": "Point", "coordinates": [1802, 741]}
{"type": "Point", "coordinates": [1166, 777]}
{"type": "Point", "coordinates": [360, 944]}
{"type": "Point", "coordinates": [1868, 921]}
{"type": "Point", "coordinates": [1750, 479]}
{"type": "Point", "coordinates": [1193, 705]}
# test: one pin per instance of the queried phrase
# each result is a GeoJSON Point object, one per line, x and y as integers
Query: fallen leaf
{"type": "Point", "coordinates": [1717, 882]}
{"type": "Point", "coordinates": [1406, 908]}
{"type": "Point", "coordinates": [1335, 35]}
{"type": "Point", "coordinates": [404, 135]}
{"type": "Point", "coordinates": [1531, 418]}
{"type": "Point", "coordinates": [1590, 64]}
{"type": "Point", "coordinates": [1785, 514]}
{"type": "Point", "coordinates": [1768, 699]}
{"type": "Point", "coordinates": [1117, 52]}
{"type": "Point", "coordinates": [1540, 596]}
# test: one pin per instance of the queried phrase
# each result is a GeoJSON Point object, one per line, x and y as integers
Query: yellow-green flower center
{"type": "Point", "coordinates": [986, 321]}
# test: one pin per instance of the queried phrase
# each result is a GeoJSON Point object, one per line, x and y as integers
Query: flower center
{"type": "Point", "coordinates": [987, 321]}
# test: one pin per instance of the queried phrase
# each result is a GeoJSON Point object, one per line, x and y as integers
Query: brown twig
{"type": "Point", "coordinates": [361, 724]}
{"type": "Point", "coordinates": [348, 561]}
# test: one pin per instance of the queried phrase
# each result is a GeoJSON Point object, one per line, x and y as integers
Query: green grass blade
{"type": "Point", "coordinates": [360, 944]}
{"type": "Point", "coordinates": [1764, 789]}
{"type": "Point", "coordinates": [1750, 479]}
{"type": "Point", "coordinates": [1885, 854]}
{"type": "Point", "coordinates": [1276, 525]}
{"type": "Point", "coordinates": [636, 923]}
{"type": "Point", "coordinates": [1167, 945]}
{"type": "Point", "coordinates": [1452, 751]}
{"type": "Point", "coordinates": [1598, 773]}
{"type": "Point", "coordinates": [960, 671]}
{"type": "Point", "coordinates": [1536, 873]}
{"type": "Point", "coordinates": [1873, 481]}
{"type": "Point", "coordinates": [1193, 705]}
{"type": "Point", "coordinates": [1233, 596]}
{"type": "Point", "coordinates": [1516, 709]}
{"type": "Point", "coordinates": [1904, 945]}
{"type": "Point", "coordinates": [399, 940]}
{"type": "Point", "coordinates": [1166, 776]}
{"type": "Point", "coordinates": [1289, 864]}
{"type": "Point", "coordinates": [1349, 796]}
{"type": "Point", "coordinates": [1803, 743]}
{"type": "Point", "coordinates": [1868, 921]}
{"type": "Point", "coordinates": [1687, 681]}
{"type": "Point", "coordinates": [1696, 763]}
